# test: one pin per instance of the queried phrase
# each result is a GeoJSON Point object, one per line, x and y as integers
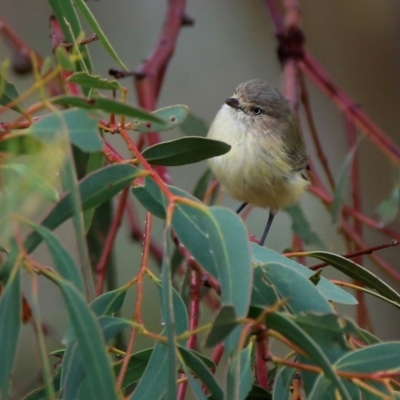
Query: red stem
{"type": "Point", "coordinates": [101, 268]}
{"type": "Point", "coordinates": [261, 364]}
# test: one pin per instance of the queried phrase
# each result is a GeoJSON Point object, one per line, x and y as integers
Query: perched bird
{"type": "Point", "coordinates": [265, 165]}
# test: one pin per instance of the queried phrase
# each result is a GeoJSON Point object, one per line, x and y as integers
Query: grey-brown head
{"type": "Point", "coordinates": [258, 98]}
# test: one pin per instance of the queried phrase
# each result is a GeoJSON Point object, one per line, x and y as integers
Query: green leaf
{"type": "Point", "coordinates": [201, 187]}
{"type": "Point", "coordinates": [33, 180]}
{"type": "Point", "coordinates": [10, 326]}
{"type": "Point", "coordinates": [20, 143]}
{"type": "Point", "coordinates": [285, 326]}
{"type": "Point", "coordinates": [326, 329]}
{"type": "Point", "coordinates": [300, 293]}
{"type": "Point", "coordinates": [109, 303]}
{"type": "Point", "coordinates": [356, 272]}
{"type": "Point", "coordinates": [258, 393]}
{"type": "Point", "coordinates": [240, 375]}
{"type": "Point", "coordinates": [283, 382]}
{"type": "Point", "coordinates": [194, 126]}
{"type": "Point", "coordinates": [225, 322]}
{"type": "Point", "coordinates": [80, 125]}
{"type": "Point", "coordinates": [202, 372]}
{"type": "Point", "coordinates": [8, 93]}
{"type": "Point", "coordinates": [90, 343]}
{"type": "Point", "coordinates": [156, 372]}
{"type": "Point", "coordinates": [107, 105]}
{"type": "Point", "coordinates": [179, 307]}
{"type": "Point", "coordinates": [94, 81]}
{"type": "Point", "coordinates": [198, 392]}
{"type": "Point", "coordinates": [262, 255]}
{"type": "Point", "coordinates": [342, 182]}
{"type": "Point", "coordinates": [95, 189]}
{"type": "Point", "coordinates": [41, 394]}
{"type": "Point", "coordinates": [136, 367]}
{"type": "Point", "coordinates": [302, 228]}
{"type": "Point", "coordinates": [71, 27]}
{"type": "Point", "coordinates": [388, 209]}
{"type": "Point", "coordinates": [64, 59]}
{"type": "Point", "coordinates": [172, 116]}
{"type": "Point", "coordinates": [168, 316]}
{"type": "Point", "coordinates": [183, 151]}
{"type": "Point", "coordinates": [95, 27]}
{"type": "Point", "coordinates": [62, 259]}
{"type": "Point", "coordinates": [378, 357]}
{"type": "Point", "coordinates": [263, 294]}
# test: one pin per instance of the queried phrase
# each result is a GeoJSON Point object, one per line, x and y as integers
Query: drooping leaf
{"type": "Point", "coordinates": [64, 59]}
{"type": "Point", "coordinates": [8, 93]}
{"type": "Point", "coordinates": [203, 373]}
{"type": "Point", "coordinates": [240, 375]}
{"type": "Point", "coordinates": [63, 260]}
{"type": "Point", "coordinates": [342, 182]}
{"type": "Point", "coordinates": [107, 105]}
{"type": "Point", "coordinates": [172, 117]}
{"type": "Point", "coordinates": [20, 143]}
{"type": "Point", "coordinates": [285, 326]}
{"type": "Point", "coordinates": [202, 184]}
{"type": "Point", "coordinates": [79, 125]}
{"type": "Point", "coordinates": [183, 151]}
{"type": "Point", "coordinates": [32, 180]}
{"type": "Point", "coordinates": [388, 209]}
{"type": "Point", "coordinates": [194, 126]}
{"type": "Point", "coordinates": [301, 227]}
{"type": "Point", "coordinates": [90, 343]}
{"type": "Point", "coordinates": [225, 322]}
{"type": "Point", "coordinates": [156, 371]}
{"type": "Point", "coordinates": [10, 326]}
{"type": "Point", "coordinates": [67, 17]}
{"type": "Point", "coordinates": [169, 317]}
{"type": "Point", "coordinates": [95, 189]}
{"type": "Point", "coordinates": [94, 81]}
{"type": "Point", "coordinates": [283, 382]}
{"type": "Point", "coordinates": [198, 392]}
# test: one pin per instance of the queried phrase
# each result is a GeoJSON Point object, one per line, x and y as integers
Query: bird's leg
{"type": "Point", "coordinates": [269, 223]}
{"type": "Point", "coordinates": [241, 207]}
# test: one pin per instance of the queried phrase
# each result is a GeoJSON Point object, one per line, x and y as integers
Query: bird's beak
{"type": "Point", "coordinates": [233, 102]}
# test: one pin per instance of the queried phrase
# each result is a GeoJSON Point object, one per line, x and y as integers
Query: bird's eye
{"type": "Point", "coordinates": [256, 110]}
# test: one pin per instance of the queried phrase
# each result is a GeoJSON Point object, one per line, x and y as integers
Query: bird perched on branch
{"type": "Point", "coordinates": [266, 163]}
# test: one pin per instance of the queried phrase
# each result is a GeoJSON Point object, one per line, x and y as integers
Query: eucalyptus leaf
{"type": "Point", "coordinates": [183, 151]}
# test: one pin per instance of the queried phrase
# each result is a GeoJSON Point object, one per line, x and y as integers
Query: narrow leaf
{"type": "Point", "coordinates": [225, 322]}
{"type": "Point", "coordinates": [95, 189]}
{"type": "Point", "coordinates": [182, 151]}
{"type": "Point", "coordinates": [341, 185]}
{"type": "Point", "coordinates": [203, 373]}
{"type": "Point", "coordinates": [94, 25]}
{"type": "Point", "coordinates": [357, 272]}
{"type": "Point", "coordinates": [107, 105]}
{"type": "Point", "coordinates": [10, 326]}
{"type": "Point", "coordinates": [94, 81]}
{"type": "Point", "coordinates": [90, 343]}
{"type": "Point", "coordinates": [194, 126]}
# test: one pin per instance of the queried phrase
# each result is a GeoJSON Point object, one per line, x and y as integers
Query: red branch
{"type": "Point", "coordinates": [101, 268]}
{"type": "Point", "coordinates": [149, 76]}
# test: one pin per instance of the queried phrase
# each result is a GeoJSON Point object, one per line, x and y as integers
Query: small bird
{"type": "Point", "coordinates": [265, 165]}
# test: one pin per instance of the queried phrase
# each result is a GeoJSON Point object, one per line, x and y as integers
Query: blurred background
{"type": "Point", "coordinates": [233, 41]}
